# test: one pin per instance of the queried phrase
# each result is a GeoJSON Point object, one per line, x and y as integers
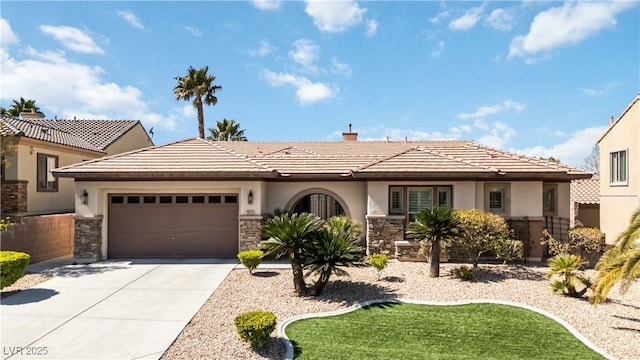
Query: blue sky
{"type": "Point", "coordinates": [535, 77]}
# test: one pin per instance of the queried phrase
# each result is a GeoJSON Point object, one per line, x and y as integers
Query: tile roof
{"type": "Point", "coordinates": [586, 191]}
{"type": "Point", "coordinates": [193, 158]}
{"type": "Point", "coordinates": [94, 135]}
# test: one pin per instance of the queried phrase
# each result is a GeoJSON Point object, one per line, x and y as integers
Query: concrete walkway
{"type": "Point", "coordinates": [108, 310]}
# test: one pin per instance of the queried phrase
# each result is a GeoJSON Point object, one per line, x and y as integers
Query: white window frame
{"type": "Point", "coordinates": [616, 172]}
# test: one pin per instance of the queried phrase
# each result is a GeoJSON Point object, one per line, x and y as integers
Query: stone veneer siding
{"type": "Point", "coordinates": [87, 240]}
{"type": "Point", "coordinates": [250, 231]}
{"type": "Point", "coordinates": [382, 233]}
{"type": "Point", "coordinates": [14, 196]}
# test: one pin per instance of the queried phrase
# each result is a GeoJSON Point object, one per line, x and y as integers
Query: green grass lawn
{"type": "Point", "coordinates": [412, 331]}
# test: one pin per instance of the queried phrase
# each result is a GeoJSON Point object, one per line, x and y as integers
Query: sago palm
{"type": "Point", "coordinates": [197, 84]}
{"type": "Point", "coordinates": [565, 276]}
{"type": "Point", "coordinates": [433, 227]}
{"type": "Point", "coordinates": [288, 234]}
{"type": "Point", "coordinates": [335, 245]}
{"type": "Point", "coordinates": [226, 130]}
{"type": "Point", "coordinates": [621, 263]}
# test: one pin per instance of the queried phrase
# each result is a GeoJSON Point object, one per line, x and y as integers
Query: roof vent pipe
{"type": "Point", "coordinates": [611, 119]}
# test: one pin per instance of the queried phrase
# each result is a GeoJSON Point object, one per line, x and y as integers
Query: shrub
{"type": "Point", "coordinates": [463, 273]}
{"type": "Point", "coordinates": [566, 279]}
{"type": "Point", "coordinates": [12, 266]}
{"type": "Point", "coordinates": [5, 223]}
{"type": "Point", "coordinates": [581, 240]}
{"type": "Point", "coordinates": [379, 262]}
{"type": "Point", "coordinates": [509, 250]}
{"type": "Point", "coordinates": [251, 259]}
{"type": "Point", "coordinates": [481, 232]}
{"type": "Point", "coordinates": [256, 326]}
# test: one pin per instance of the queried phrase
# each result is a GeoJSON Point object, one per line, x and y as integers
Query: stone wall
{"type": "Point", "coordinates": [250, 231]}
{"type": "Point", "coordinates": [382, 233]}
{"type": "Point", "coordinates": [88, 238]}
{"type": "Point", "coordinates": [43, 237]}
{"type": "Point", "coordinates": [14, 196]}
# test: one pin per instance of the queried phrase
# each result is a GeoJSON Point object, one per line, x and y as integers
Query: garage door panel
{"type": "Point", "coordinates": [172, 229]}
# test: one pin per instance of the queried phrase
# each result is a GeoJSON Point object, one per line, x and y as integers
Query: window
{"type": "Point", "coordinates": [496, 199]}
{"type": "Point", "coordinates": [133, 199]}
{"type": "Point", "coordinates": [46, 180]}
{"type": "Point", "coordinates": [165, 199]}
{"type": "Point", "coordinates": [215, 199]}
{"type": "Point", "coordinates": [182, 199]}
{"type": "Point", "coordinates": [231, 199]}
{"type": "Point", "coordinates": [417, 198]}
{"type": "Point", "coordinates": [117, 199]}
{"type": "Point", "coordinates": [149, 199]}
{"type": "Point", "coordinates": [199, 199]}
{"type": "Point", "coordinates": [619, 163]}
{"type": "Point", "coordinates": [549, 199]}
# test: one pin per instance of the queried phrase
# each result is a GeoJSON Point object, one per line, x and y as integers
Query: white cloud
{"type": "Point", "coordinates": [442, 15]}
{"type": "Point", "coordinates": [566, 25]}
{"type": "Point", "coordinates": [497, 136]}
{"type": "Point", "coordinates": [500, 19]}
{"type": "Point", "coordinates": [193, 30]}
{"type": "Point", "coordinates": [484, 111]}
{"type": "Point", "coordinates": [335, 16]}
{"type": "Point", "coordinates": [7, 36]}
{"type": "Point", "coordinates": [72, 38]}
{"type": "Point", "coordinates": [372, 28]}
{"type": "Point", "coordinates": [307, 92]}
{"type": "Point", "coordinates": [131, 18]}
{"type": "Point", "coordinates": [305, 53]}
{"type": "Point", "coordinates": [468, 20]}
{"type": "Point", "coordinates": [598, 92]}
{"type": "Point", "coordinates": [340, 68]}
{"type": "Point", "coordinates": [571, 152]}
{"type": "Point", "coordinates": [264, 49]}
{"type": "Point", "coordinates": [66, 89]}
{"type": "Point", "coordinates": [267, 5]}
{"type": "Point", "coordinates": [438, 50]}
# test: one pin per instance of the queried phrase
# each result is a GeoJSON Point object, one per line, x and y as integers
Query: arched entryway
{"type": "Point", "coordinates": [321, 202]}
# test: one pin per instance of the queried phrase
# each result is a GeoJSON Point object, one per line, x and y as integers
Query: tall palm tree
{"type": "Point", "coordinates": [621, 263]}
{"type": "Point", "coordinates": [334, 246]}
{"type": "Point", "coordinates": [288, 234]}
{"type": "Point", "coordinates": [23, 105]}
{"type": "Point", "coordinates": [197, 84]}
{"type": "Point", "coordinates": [433, 227]}
{"type": "Point", "coordinates": [226, 130]}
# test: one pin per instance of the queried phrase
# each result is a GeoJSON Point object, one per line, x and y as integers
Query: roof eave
{"type": "Point", "coordinates": [199, 175]}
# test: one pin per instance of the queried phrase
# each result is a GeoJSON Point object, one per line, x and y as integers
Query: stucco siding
{"type": "Point", "coordinates": [463, 196]}
{"type": "Point", "coordinates": [526, 198]}
{"type": "Point", "coordinates": [617, 202]}
{"type": "Point", "coordinates": [60, 200]}
{"type": "Point", "coordinates": [135, 138]}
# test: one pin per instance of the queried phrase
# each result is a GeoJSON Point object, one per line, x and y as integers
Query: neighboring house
{"type": "Point", "coordinates": [620, 168]}
{"type": "Point", "coordinates": [194, 198]}
{"type": "Point", "coordinates": [28, 186]}
{"type": "Point", "coordinates": [585, 202]}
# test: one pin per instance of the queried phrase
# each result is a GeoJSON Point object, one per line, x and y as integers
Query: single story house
{"type": "Point", "coordinates": [620, 168]}
{"type": "Point", "coordinates": [195, 198]}
{"type": "Point", "coordinates": [28, 186]}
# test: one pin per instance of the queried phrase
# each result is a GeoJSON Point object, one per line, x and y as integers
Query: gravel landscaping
{"type": "Point", "coordinates": [613, 326]}
{"type": "Point", "coordinates": [26, 281]}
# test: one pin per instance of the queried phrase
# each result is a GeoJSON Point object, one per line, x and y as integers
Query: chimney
{"type": "Point", "coordinates": [31, 114]}
{"type": "Point", "coordinates": [349, 136]}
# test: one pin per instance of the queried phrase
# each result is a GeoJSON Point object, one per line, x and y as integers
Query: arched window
{"type": "Point", "coordinates": [320, 202]}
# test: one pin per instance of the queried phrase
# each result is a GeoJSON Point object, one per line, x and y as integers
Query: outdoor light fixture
{"type": "Point", "coordinates": [250, 197]}
{"type": "Point", "coordinates": [84, 197]}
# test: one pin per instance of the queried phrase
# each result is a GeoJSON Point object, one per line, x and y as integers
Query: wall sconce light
{"type": "Point", "coordinates": [31, 150]}
{"type": "Point", "coordinates": [250, 197]}
{"type": "Point", "coordinates": [84, 197]}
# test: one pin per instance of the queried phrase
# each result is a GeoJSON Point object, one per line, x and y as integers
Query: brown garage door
{"type": "Point", "coordinates": [173, 225]}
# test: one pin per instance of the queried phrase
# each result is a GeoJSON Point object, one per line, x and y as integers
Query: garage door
{"type": "Point", "coordinates": [173, 225]}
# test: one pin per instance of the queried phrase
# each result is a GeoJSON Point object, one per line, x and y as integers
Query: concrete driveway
{"type": "Point", "coordinates": [108, 310]}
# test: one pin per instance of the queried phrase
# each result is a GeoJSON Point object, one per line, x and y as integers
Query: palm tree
{"type": "Point", "coordinates": [563, 270]}
{"type": "Point", "coordinates": [22, 105]}
{"type": "Point", "coordinates": [621, 263]}
{"type": "Point", "coordinates": [197, 84]}
{"type": "Point", "coordinates": [288, 234]}
{"type": "Point", "coordinates": [334, 246]}
{"type": "Point", "coordinates": [227, 130]}
{"type": "Point", "coordinates": [432, 227]}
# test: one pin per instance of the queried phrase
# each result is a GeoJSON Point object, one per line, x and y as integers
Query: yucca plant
{"type": "Point", "coordinates": [621, 263]}
{"type": "Point", "coordinates": [566, 279]}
